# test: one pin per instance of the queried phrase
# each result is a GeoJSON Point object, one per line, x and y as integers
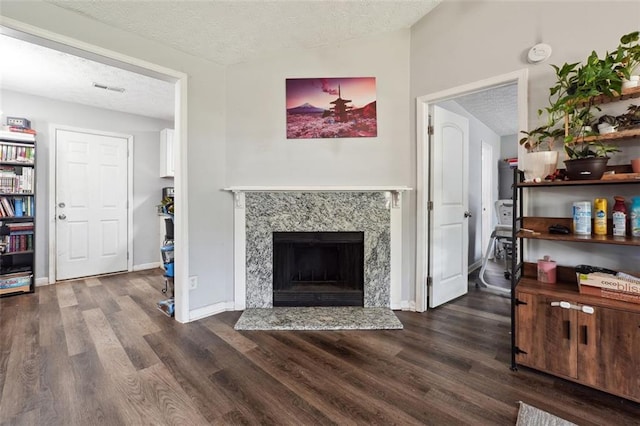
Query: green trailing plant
{"type": "Point", "coordinates": [628, 53]}
{"type": "Point", "coordinates": [571, 107]}
{"type": "Point", "coordinates": [571, 101]}
{"type": "Point", "coordinates": [542, 138]}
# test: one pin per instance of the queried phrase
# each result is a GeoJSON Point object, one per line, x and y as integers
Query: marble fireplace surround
{"type": "Point", "coordinates": [260, 211]}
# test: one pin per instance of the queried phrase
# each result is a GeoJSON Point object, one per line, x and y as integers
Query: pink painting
{"type": "Point", "coordinates": [331, 108]}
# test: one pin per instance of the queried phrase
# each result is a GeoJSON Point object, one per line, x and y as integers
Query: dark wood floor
{"type": "Point", "coordinates": [98, 351]}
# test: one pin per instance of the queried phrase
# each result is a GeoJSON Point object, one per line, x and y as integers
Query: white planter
{"type": "Point", "coordinates": [538, 165]}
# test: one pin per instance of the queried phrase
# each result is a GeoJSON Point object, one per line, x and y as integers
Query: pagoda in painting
{"type": "Point", "coordinates": [341, 108]}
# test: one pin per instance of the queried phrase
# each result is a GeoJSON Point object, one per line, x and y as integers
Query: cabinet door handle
{"type": "Point", "coordinates": [587, 309]}
{"type": "Point", "coordinates": [584, 334]}
{"type": "Point", "coordinates": [567, 329]}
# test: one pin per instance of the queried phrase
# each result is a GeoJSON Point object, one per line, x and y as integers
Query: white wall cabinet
{"type": "Point", "coordinates": [166, 153]}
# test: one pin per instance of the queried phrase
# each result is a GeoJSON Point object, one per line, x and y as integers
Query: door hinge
{"type": "Point", "coordinates": [520, 302]}
{"type": "Point", "coordinates": [430, 206]}
{"type": "Point", "coordinates": [127, 255]}
{"type": "Point", "coordinates": [517, 350]}
{"type": "Point", "coordinates": [429, 281]}
{"type": "Point", "coordinates": [430, 130]}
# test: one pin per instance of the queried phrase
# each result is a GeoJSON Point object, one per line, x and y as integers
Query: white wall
{"type": "Point", "coordinates": [258, 152]}
{"type": "Point", "coordinates": [487, 38]}
{"type": "Point", "coordinates": [146, 183]}
{"type": "Point", "coordinates": [478, 132]}
{"type": "Point", "coordinates": [210, 209]}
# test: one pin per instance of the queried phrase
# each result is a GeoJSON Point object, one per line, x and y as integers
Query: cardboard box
{"type": "Point", "coordinates": [610, 294]}
{"type": "Point", "coordinates": [14, 280]}
{"type": "Point", "coordinates": [609, 282]}
{"type": "Point", "coordinates": [609, 286]}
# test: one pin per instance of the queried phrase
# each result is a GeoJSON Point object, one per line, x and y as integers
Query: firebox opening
{"type": "Point", "coordinates": [318, 269]}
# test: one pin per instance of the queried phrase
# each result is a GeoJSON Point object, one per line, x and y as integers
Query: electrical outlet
{"type": "Point", "coordinates": [193, 282]}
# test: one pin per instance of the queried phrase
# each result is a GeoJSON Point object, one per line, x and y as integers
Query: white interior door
{"type": "Point", "coordinates": [91, 204]}
{"type": "Point", "coordinates": [448, 222]}
{"type": "Point", "coordinates": [488, 167]}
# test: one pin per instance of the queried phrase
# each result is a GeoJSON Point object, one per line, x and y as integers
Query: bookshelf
{"type": "Point", "coordinates": [17, 212]}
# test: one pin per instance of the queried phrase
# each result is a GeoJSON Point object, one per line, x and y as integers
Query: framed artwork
{"type": "Point", "coordinates": [320, 108]}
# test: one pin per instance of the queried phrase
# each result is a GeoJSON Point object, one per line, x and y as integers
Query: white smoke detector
{"type": "Point", "coordinates": [539, 53]}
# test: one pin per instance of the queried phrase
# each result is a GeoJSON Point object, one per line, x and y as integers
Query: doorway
{"type": "Point", "coordinates": [92, 196]}
{"type": "Point", "coordinates": [424, 226]}
{"type": "Point", "coordinates": [179, 79]}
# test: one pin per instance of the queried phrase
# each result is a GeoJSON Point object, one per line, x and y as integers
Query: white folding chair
{"type": "Point", "coordinates": [500, 242]}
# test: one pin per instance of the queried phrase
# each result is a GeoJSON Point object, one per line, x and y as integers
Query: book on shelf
{"type": "Point", "coordinates": [16, 179]}
{"type": "Point", "coordinates": [7, 208]}
{"type": "Point", "coordinates": [14, 135]}
{"type": "Point", "coordinates": [19, 226]}
{"type": "Point", "coordinates": [17, 153]}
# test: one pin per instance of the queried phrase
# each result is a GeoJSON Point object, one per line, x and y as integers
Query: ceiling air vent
{"type": "Point", "coordinates": [105, 87]}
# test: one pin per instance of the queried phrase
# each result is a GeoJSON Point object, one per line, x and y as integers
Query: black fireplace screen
{"type": "Point", "coordinates": [318, 269]}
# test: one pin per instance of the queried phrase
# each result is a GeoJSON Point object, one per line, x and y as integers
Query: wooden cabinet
{"type": "Point", "coordinates": [591, 340]}
{"type": "Point", "coordinates": [586, 339]}
{"type": "Point", "coordinates": [167, 164]}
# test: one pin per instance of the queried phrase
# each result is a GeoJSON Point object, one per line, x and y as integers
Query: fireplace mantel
{"type": "Point", "coordinates": [320, 188]}
{"type": "Point", "coordinates": [287, 208]}
{"type": "Point", "coordinates": [395, 191]}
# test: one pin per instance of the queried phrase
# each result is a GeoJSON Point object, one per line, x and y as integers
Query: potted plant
{"type": "Point", "coordinates": [628, 55]}
{"type": "Point", "coordinates": [573, 98]}
{"type": "Point", "coordinates": [541, 159]}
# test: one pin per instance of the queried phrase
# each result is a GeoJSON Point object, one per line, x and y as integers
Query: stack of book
{"type": "Point", "coordinates": [16, 182]}
{"type": "Point", "coordinates": [611, 285]}
{"type": "Point", "coordinates": [15, 133]}
{"type": "Point", "coordinates": [17, 153]}
{"type": "Point", "coordinates": [512, 162]}
{"type": "Point", "coordinates": [19, 238]}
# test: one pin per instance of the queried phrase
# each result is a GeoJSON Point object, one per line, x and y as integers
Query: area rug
{"type": "Point", "coordinates": [318, 318]}
{"type": "Point", "coordinates": [532, 416]}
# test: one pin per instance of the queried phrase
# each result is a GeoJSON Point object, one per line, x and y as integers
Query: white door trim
{"type": "Point", "coordinates": [422, 158]}
{"type": "Point", "coordinates": [487, 194]}
{"type": "Point", "coordinates": [53, 147]}
{"type": "Point", "coordinates": [99, 54]}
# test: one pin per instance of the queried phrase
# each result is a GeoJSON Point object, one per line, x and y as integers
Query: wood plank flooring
{"type": "Point", "coordinates": [98, 351]}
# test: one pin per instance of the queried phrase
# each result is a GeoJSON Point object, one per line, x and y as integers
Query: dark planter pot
{"type": "Point", "coordinates": [586, 168]}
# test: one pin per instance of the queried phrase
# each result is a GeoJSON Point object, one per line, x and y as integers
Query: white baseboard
{"type": "Point", "coordinates": [207, 311]}
{"type": "Point", "coordinates": [408, 305]}
{"type": "Point", "coordinates": [145, 266]}
{"type": "Point", "coordinates": [42, 281]}
{"type": "Point", "coordinates": [475, 265]}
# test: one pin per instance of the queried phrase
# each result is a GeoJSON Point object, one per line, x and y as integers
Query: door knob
{"type": "Point", "coordinates": [62, 216]}
{"type": "Point", "coordinates": [467, 214]}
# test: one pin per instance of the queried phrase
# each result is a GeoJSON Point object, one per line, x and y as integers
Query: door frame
{"type": "Point", "coordinates": [423, 160]}
{"type": "Point", "coordinates": [180, 79]}
{"type": "Point", "coordinates": [53, 185]}
{"type": "Point", "coordinates": [487, 189]}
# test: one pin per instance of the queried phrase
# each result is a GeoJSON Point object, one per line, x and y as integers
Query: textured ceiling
{"type": "Point", "coordinates": [222, 31]}
{"type": "Point", "coordinates": [497, 108]}
{"type": "Point", "coordinates": [228, 32]}
{"type": "Point", "coordinates": [36, 70]}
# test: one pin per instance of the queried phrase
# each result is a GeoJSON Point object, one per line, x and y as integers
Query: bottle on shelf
{"type": "Point", "coordinates": [619, 217]}
{"type": "Point", "coordinates": [635, 216]}
{"type": "Point", "coordinates": [600, 217]}
{"type": "Point", "coordinates": [582, 218]}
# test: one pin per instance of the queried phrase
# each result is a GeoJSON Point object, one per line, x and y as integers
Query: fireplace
{"type": "Point", "coordinates": [318, 268]}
